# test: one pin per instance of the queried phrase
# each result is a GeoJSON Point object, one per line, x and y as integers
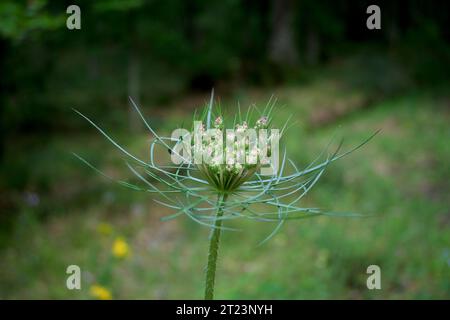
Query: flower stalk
{"type": "Point", "coordinates": [213, 250]}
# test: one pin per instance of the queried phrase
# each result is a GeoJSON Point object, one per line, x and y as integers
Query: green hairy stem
{"type": "Point", "coordinates": [213, 249]}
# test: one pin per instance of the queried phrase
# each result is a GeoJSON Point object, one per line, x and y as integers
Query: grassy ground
{"type": "Point", "coordinates": [71, 216]}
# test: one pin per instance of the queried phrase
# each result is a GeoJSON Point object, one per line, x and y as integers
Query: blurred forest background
{"type": "Point", "coordinates": [326, 68]}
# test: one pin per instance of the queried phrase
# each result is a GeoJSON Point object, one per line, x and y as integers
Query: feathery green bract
{"type": "Point", "coordinates": [192, 190]}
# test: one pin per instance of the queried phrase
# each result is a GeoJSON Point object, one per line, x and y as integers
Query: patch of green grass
{"type": "Point", "coordinates": [401, 177]}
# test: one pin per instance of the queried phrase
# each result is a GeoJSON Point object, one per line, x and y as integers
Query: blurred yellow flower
{"type": "Point", "coordinates": [100, 292]}
{"type": "Point", "coordinates": [120, 248]}
{"type": "Point", "coordinates": [104, 229]}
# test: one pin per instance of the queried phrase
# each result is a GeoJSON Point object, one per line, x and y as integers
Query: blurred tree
{"type": "Point", "coordinates": [283, 50]}
{"type": "Point", "coordinates": [132, 45]}
{"type": "Point", "coordinates": [19, 20]}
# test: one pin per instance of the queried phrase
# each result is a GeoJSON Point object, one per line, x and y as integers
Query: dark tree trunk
{"type": "Point", "coordinates": [282, 50]}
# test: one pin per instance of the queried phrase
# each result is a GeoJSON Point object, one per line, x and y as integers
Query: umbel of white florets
{"type": "Point", "coordinates": [261, 123]}
{"type": "Point", "coordinates": [232, 160]}
{"type": "Point", "coordinates": [218, 123]}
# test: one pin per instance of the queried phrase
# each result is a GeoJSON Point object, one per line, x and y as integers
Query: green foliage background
{"type": "Point", "coordinates": [335, 77]}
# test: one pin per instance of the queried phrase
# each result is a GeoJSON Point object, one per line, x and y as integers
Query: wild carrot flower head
{"type": "Point", "coordinates": [228, 158]}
